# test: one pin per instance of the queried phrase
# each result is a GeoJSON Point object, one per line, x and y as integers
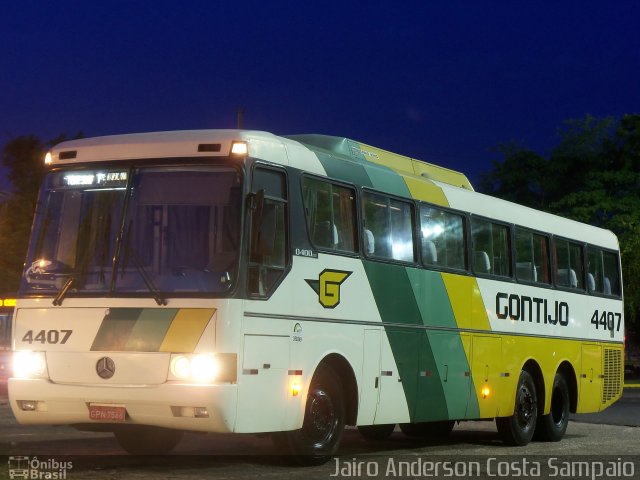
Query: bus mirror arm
{"type": "Point", "coordinates": [63, 291]}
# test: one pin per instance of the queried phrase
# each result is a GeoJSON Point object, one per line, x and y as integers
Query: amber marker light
{"type": "Point", "coordinates": [485, 392]}
{"type": "Point", "coordinates": [296, 388]}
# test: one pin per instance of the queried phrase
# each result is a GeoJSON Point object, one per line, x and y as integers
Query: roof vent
{"type": "Point", "coordinates": [68, 155]}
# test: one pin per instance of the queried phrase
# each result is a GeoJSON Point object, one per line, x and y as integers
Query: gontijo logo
{"type": "Point", "coordinates": [328, 286]}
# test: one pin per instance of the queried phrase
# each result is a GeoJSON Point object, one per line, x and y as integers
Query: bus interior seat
{"type": "Point", "coordinates": [325, 234]}
{"type": "Point", "coordinates": [607, 286]}
{"type": "Point", "coordinates": [429, 252]}
{"type": "Point", "coordinates": [567, 277]}
{"type": "Point", "coordinates": [526, 271]}
{"type": "Point", "coordinates": [481, 263]}
{"type": "Point", "coordinates": [369, 242]}
{"type": "Point", "coordinates": [591, 282]}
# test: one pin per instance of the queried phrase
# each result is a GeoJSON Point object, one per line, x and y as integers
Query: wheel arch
{"type": "Point", "coordinates": [341, 366]}
{"type": "Point", "coordinates": [533, 368]}
{"type": "Point", "coordinates": [568, 372]}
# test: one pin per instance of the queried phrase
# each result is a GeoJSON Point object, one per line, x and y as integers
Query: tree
{"type": "Point", "coordinates": [24, 158]}
{"type": "Point", "coordinates": [519, 178]}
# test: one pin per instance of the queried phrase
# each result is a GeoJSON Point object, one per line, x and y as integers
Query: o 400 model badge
{"type": "Point", "coordinates": [328, 286]}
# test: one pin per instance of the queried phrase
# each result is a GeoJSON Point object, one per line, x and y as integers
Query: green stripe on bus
{"type": "Point", "coordinates": [432, 298]}
{"type": "Point", "coordinates": [115, 329]}
{"type": "Point", "coordinates": [411, 349]}
{"type": "Point", "coordinates": [344, 170]}
{"type": "Point", "coordinates": [150, 329]}
{"type": "Point", "coordinates": [386, 180]}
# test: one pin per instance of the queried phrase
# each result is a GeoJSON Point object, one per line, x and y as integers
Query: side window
{"type": "Point", "coordinates": [603, 274]}
{"type": "Point", "coordinates": [568, 264]}
{"type": "Point", "coordinates": [532, 257]}
{"type": "Point", "coordinates": [388, 228]}
{"type": "Point", "coordinates": [490, 246]}
{"type": "Point", "coordinates": [268, 258]}
{"type": "Point", "coordinates": [594, 270]}
{"type": "Point", "coordinates": [331, 215]}
{"type": "Point", "coordinates": [442, 238]}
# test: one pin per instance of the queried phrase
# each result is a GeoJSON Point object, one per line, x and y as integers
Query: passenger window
{"type": "Point", "coordinates": [532, 257]}
{"type": "Point", "coordinates": [442, 238]}
{"type": "Point", "coordinates": [330, 211]}
{"type": "Point", "coordinates": [490, 248]}
{"type": "Point", "coordinates": [388, 228]}
{"type": "Point", "coordinates": [568, 264]}
{"type": "Point", "coordinates": [603, 272]}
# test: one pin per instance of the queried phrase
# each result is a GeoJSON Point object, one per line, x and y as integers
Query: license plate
{"type": "Point", "coordinates": [107, 413]}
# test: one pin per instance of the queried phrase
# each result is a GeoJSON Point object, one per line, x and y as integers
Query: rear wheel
{"type": "Point", "coordinates": [551, 428]}
{"type": "Point", "coordinates": [377, 432]}
{"type": "Point", "coordinates": [519, 428]}
{"type": "Point", "coordinates": [147, 440]}
{"type": "Point", "coordinates": [324, 419]}
{"type": "Point", "coordinates": [434, 430]}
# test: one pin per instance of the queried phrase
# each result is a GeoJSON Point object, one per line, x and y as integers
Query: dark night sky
{"type": "Point", "coordinates": [441, 81]}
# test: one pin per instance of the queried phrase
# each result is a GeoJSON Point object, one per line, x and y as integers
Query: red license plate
{"type": "Point", "coordinates": [107, 413]}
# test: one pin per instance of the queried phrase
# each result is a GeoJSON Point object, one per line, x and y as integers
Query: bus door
{"type": "Point", "coordinates": [370, 377]}
{"type": "Point", "coordinates": [398, 372]}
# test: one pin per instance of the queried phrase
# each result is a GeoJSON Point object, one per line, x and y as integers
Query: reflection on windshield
{"type": "Point", "coordinates": [180, 233]}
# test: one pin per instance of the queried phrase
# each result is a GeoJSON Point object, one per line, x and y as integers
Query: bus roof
{"type": "Point", "coordinates": [190, 143]}
{"type": "Point", "coordinates": [421, 180]}
{"type": "Point", "coordinates": [362, 152]}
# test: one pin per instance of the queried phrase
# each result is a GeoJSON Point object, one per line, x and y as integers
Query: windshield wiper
{"type": "Point", "coordinates": [148, 281]}
{"type": "Point", "coordinates": [146, 278]}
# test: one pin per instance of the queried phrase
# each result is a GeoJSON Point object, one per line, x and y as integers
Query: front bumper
{"type": "Point", "coordinates": [169, 405]}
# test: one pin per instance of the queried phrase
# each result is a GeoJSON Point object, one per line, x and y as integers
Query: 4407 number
{"type": "Point", "coordinates": [607, 320]}
{"type": "Point", "coordinates": [47, 336]}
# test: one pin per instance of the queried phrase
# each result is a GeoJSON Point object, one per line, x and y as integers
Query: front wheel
{"type": "Point", "coordinates": [551, 428]}
{"type": "Point", "coordinates": [147, 440]}
{"type": "Point", "coordinates": [324, 419]}
{"type": "Point", "coordinates": [518, 429]}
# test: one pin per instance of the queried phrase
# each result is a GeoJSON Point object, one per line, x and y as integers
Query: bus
{"type": "Point", "coordinates": [242, 282]}
{"type": "Point", "coordinates": [6, 316]}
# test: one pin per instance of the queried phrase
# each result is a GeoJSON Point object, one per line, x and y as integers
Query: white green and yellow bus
{"type": "Point", "coordinates": [237, 281]}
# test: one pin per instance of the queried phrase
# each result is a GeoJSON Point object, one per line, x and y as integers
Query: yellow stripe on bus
{"type": "Point", "coordinates": [186, 329]}
{"type": "Point", "coordinates": [425, 191]}
{"type": "Point", "coordinates": [466, 301]}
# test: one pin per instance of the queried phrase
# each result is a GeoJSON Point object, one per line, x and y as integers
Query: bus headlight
{"type": "Point", "coordinates": [203, 368]}
{"type": "Point", "coordinates": [29, 364]}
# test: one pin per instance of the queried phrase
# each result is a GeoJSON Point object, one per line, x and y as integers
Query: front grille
{"type": "Point", "coordinates": [612, 374]}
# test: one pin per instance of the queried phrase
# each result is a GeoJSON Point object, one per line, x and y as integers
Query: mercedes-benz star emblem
{"type": "Point", "coordinates": [105, 368]}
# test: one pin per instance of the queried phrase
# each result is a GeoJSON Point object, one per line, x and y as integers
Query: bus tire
{"type": "Point", "coordinates": [146, 439]}
{"type": "Point", "coordinates": [518, 429]}
{"type": "Point", "coordinates": [551, 428]}
{"type": "Point", "coordinates": [377, 432]}
{"type": "Point", "coordinates": [324, 420]}
{"type": "Point", "coordinates": [434, 430]}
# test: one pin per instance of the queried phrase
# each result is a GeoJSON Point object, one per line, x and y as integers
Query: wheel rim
{"type": "Point", "coordinates": [526, 411]}
{"type": "Point", "coordinates": [322, 419]}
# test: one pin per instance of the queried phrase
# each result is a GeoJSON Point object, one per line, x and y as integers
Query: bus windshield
{"type": "Point", "coordinates": [136, 231]}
